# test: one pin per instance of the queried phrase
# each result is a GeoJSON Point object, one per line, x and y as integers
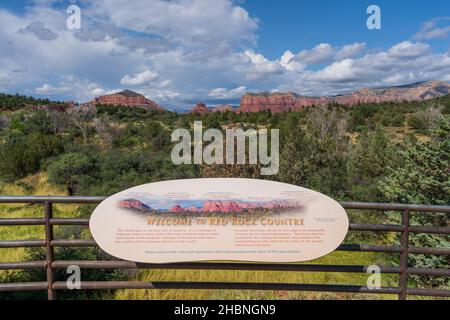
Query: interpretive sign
{"type": "Point", "coordinates": [219, 219]}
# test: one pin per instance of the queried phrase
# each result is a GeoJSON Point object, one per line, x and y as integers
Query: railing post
{"type": "Point", "coordinates": [404, 241]}
{"type": "Point", "coordinates": [49, 250]}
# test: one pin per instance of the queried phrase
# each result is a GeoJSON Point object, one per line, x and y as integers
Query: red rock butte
{"type": "Point", "coordinates": [127, 98]}
{"type": "Point", "coordinates": [282, 102]}
{"type": "Point", "coordinates": [201, 109]}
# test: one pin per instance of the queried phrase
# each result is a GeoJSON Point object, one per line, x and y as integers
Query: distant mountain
{"type": "Point", "coordinates": [127, 98]}
{"type": "Point", "coordinates": [202, 109]}
{"type": "Point", "coordinates": [281, 102]}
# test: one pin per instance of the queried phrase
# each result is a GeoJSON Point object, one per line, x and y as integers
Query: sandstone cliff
{"type": "Point", "coordinates": [201, 109]}
{"type": "Point", "coordinates": [282, 102]}
{"type": "Point", "coordinates": [127, 98]}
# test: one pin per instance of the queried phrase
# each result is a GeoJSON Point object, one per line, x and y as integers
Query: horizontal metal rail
{"type": "Point", "coordinates": [94, 285]}
{"type": "Point", "coordinates": [345, 204]}
{"type": "Point", "coordinates": [50, 265]}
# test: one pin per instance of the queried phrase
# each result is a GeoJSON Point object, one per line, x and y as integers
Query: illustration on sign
{"type": "Point", "coordinates": [219, 219]}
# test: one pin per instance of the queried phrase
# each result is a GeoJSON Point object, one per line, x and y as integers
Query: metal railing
{"type": "Point", "coordinates": [50, 264]}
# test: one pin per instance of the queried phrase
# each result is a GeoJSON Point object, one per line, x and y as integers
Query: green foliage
{"type": "Point", "coordinates": [27, 145]}
{"type": "Point", "coordinates": [316, 156]}
{"type": "Point", "coordinates": [36, 275]}
{"type": "Point", "coordinates": [15, 102]}
{"type": "Point", "coordinates": [345, 152]}
{"type": "Point", "coordinates": [71, 169]}
{"type": "Point", "coordinates": [424, 178]}
{"type": "Point", "coordinates": [368, 164]}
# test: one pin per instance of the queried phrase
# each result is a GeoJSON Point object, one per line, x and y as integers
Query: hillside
{"type": "Point", "coordinates": [127, 98]}
{"type": "Point", "coordinates": [366, 152]}
{"type": "Point", "coordinates": [17, 101]}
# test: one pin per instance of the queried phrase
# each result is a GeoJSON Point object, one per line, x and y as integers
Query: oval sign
{"type": "Point", "coordinates": [219, 219]}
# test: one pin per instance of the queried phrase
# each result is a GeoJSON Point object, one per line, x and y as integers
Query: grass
{"type": "Point", "coordinates": [264, 277]}
{"type": "Point", "coordinates": [35, 185]}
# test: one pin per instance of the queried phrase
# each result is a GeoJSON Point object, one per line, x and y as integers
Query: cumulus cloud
{"type": "Point", "coordinates": [223, 93]}
{"type": "Point", "coordinates": [261, 67]}
{"type": "Point", "coordinates": [350, 50]}
{"type": "Point", "coordinates": [141, 79]}
{"type": "Point", "coordinates": [402, 63]}
{"type": "Point", "coordinates": [48, 89]}
{"type": "Point", "coordinates": [82, 89]}
{"type": "Point", "coordinates": [407, 49]}
{"type": "Point", "coordinates": [39, 30]}
{"type": "Point", "coordinates": [438, 28]}
{"type": "Point", "coordinates": [321, 53]}
{"type": "Point", "coordinates": [194, 22]}
{"type": "Point", "coordinates": [289, 62]}
{"type": "Point", "coordinates": [326, 53]}
{"type": "Point", "coordinates": [342, 71]}
{"type": "Point", "coordinates": [180, 52]}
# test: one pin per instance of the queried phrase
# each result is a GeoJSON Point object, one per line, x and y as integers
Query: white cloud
{"type": "Point", "coordinates": [261, 67]}
{"type": "Point", "coordinates": [344, 71]}
{"type": "Point", "coordinates": [48, 89]}
{"type": "Point", "coordinates": [223, 93]}
{"type": "Point", "coordinates": [82, 89]}
{"type": "Point", "coordinates": [174, 52]}
{"type": "Point", "coordinates": [190, 22]}
{"type": "Point", "coordinates": [141, 79]}
{"type": "Point", "coordinates": [438, 28]}
{"type": "Point", "coordinates": [321, 53]}
{"type": "Point", "coordinates": [289, 62]}
{"type": "Point", "coordinates": [407, 49]}
{"type": "Point", "coordinates": [350, 50]}
{"type": "Point", "coordinates": [39, 30]}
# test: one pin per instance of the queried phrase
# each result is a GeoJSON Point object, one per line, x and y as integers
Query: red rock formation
{"type": "Point", "coordinates": [177, 209]}
{"type": "Point", "coordinates": [129, 99]}
{"type": "Point", "coordinates": [221, 206]}
{"type": "Point", "coordinates": [134, 204]}
{"type": "Point", "coordinates": [223, 108]}
{"type": "Point", "coordinates": [282, 102]}
{"type": "Point", "coordinates": [275, 102]}
{"type": "Point", "coordinates": [227, 206]}
{"type": "Point", "coordinates": [201, 109]}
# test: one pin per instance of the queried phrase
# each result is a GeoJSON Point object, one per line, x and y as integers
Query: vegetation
{"type": "Point", "coordinates": [372, 152]}
{"type": "Point", "coordinates": [16, 101]}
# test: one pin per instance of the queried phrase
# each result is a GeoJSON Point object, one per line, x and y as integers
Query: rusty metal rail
{"type": "Point", "coordinates": [50, 264]}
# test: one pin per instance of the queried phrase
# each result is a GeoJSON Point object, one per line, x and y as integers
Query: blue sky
{"type": "Point", "coordinates": [182, 52]}
{"type": "Point", "coordinates": [297, 24]}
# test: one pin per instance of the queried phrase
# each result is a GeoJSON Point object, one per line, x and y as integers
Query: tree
{"type": "Point", "coordinates": [22, 154]}
{"type": "Point", "coordinates": [70, 169]}
{"type": "Point", "coordinates": [106, 130]}
{"type": "Point", "coordinates": [60, 120]}
{"type": "Point", "coordinates": [368, 163]}
{"type": "Point", "coordinates": [83, 117]}
{"type": "Point", "coordinates": [424, 178]}
{"type": "Point", "coordinates": [426, 120]}
{"type": "Point", "coordinates": [316, 156]}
